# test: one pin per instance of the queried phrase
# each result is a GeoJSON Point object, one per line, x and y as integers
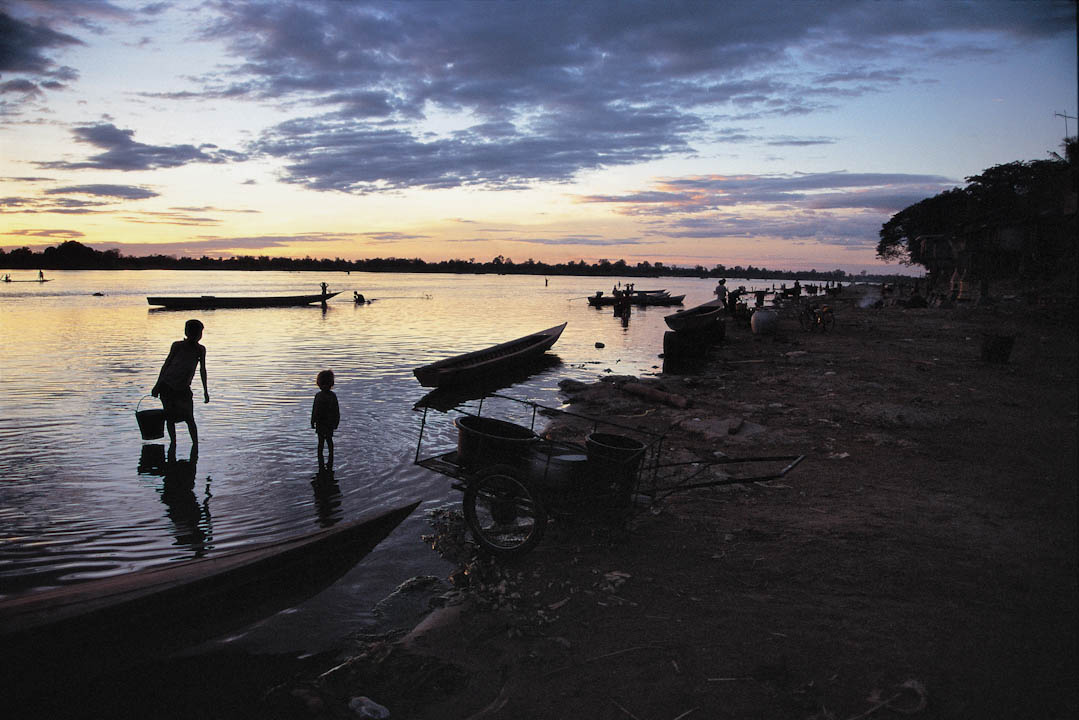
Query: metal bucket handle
{"type": "Point", "coordinates": [139, 403]}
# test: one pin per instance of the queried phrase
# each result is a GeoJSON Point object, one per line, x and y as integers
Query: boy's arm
{"type": "Point", "coordinates": [161, 373]}
{"type": "Point", "coordinates": [202, 374]}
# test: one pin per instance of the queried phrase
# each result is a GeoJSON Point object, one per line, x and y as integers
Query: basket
{"type": "Point", "coordinates": [151, 422]}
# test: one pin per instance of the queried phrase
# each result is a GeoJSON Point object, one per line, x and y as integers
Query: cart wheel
{"type": "Point", "coordinates": [504, 514]}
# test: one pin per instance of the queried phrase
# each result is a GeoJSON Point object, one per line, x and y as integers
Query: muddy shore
{"type": "Point", "coordinates": [921, 561]}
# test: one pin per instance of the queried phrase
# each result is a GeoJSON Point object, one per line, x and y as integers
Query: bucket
{"type": "Point", "coordinates": [485, 441]}
{"type": "Point", "coordinates": [151, 422]}
{"type": "Point", "coordinates": [997, 348]}
{"type": "Point", "coordinates": [614, 461]}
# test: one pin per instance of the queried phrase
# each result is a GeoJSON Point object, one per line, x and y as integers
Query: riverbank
{"type": "Point", "coordinates": [922, 559]}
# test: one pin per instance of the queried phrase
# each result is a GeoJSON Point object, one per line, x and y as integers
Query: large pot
{"type": "Point", "coordinates": [764, 322]}
{"type": "Point", "coordinates": [485, 441]}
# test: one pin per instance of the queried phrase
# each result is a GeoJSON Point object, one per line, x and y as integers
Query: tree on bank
{"type": "Point", "coordinates": [1013, 222]}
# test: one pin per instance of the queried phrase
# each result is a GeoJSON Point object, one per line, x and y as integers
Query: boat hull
{"type": "Point", "coordinates": [639, 300]}
{"type": "Point", "coordinates": [153, 612]}
{"type": "Point", "coordinates": [694, 319]}
{"type": "Point", "coordinates": [474, 366]}
{"type": "Point", "coordinates": [214, 302]}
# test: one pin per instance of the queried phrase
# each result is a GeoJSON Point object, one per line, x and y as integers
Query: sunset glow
{"type": "Point", "coordinates": [778, 134]}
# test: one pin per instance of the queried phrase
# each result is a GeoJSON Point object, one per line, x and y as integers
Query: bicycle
{"type": "Point", "coordinates": [814, 317]}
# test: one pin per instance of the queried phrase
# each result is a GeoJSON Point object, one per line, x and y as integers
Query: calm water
{"type": "Point", "coordinates": [81, 495]}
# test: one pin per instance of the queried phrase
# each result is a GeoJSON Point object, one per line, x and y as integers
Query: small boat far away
{"type": "Point", "coordinates": [471, 366]}
{"type": "Point", "coordinates": [212, 302]}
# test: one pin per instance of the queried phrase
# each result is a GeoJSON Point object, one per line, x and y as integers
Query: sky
{"type": "Point", "coordinates": [781, 134]}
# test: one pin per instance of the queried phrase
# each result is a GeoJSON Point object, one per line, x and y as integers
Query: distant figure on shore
{"type": "Point", "coordinates": [174, 382]}
{"type": "Point", "coordinates": [721, 291]}
{"type": "Point", "coordinates": [325, 417]}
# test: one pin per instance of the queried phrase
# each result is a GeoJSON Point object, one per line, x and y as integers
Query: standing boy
{"type": "Point", "coordinates": [325, 416]}
{"type": "Point", "coordinates": [174, 382]}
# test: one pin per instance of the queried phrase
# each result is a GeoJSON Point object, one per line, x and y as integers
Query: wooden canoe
{"type": "Point", "coordinates": [696, 318]}
{"type": "Point", "coordinates": [637, 299]}
{"type": "Point", "coordinates": [472, 366]}
{"type": "Point", "coordinates": [212, 302]}
{"type": "Point", "coordinates": [152, 612]}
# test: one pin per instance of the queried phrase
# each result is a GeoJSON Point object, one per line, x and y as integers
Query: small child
{"type": "Point", "coordinates": [325, 416]}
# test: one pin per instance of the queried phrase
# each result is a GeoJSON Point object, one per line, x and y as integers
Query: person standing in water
{"type": "Point", "coordinates": [174, 382]}
{"type": "Point", "coordinates": [325, 417]}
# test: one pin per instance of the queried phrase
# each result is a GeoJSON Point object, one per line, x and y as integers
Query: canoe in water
{"type": "Point", "coordinates": [213, 302]}
{"type": "Point", "coordinates": [152, 612]}
{"type": "Point", "coordinates": [473, 366]}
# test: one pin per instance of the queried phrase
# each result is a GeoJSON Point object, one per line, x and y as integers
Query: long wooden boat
{"type": "Point", "coordinates": [472, 366]}
{"type": "Point", "coordinates": [152, 612]}
{"type": "Point", "coordinates": [635, 299]}
{"type": "Point", "coordinates": [697, 318]}
{"type": "Point", "coordinates": [213, 302]}
{"type": "Point", "coordinates": [37, 281]}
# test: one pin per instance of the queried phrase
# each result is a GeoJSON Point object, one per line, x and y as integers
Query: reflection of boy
{"type": "Point", "coordinates": [325, 416]}
{"type": "Point", "coordinates": [174, 381]}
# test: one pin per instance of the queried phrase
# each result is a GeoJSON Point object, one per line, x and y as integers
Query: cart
{"type": "Point", "coordinates": [514, 481]}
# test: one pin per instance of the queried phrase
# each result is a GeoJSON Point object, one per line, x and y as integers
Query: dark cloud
{"type": "Point", "coordinates": [556, 88]}
{"type": "Point", "coordinates": [127, 192]}
{"type": "Point", "coordinates": [23, 46]}
{"type": "Point", "coordinates": [122, 152]}
{"type": "Point", "coordinates": [392, 237]}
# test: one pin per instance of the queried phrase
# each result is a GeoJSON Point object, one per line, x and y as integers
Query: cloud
{"type": "Point", "coordinates": [23, 47]}
{"type": "Point", "coordinates": [219, 245]}
{"type": "Point", "coordinates": [127, 192]}
{"type": "Point", "coordinates": [122, 152]}
{"type": "Point", "coordinates": [557, 88]}
{"type": "Point", "coordinates": [51, 233]}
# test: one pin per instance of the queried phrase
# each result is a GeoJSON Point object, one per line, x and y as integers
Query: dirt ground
{"type": "Point", "coordinates": [921, 561]}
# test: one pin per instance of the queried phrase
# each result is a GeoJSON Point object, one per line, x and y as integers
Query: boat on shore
{"type": "Point", "coordinates": [149, 613]}
{"type": "Point", "coordinates": [695, 319]}
{"type": "Point", "coordinates": [215, 302]}
{"type": "Point", "coordinates": [479, 364]}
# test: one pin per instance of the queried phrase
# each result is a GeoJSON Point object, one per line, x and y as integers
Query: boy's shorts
{"type": "Point", "coordinates": [179, 405]}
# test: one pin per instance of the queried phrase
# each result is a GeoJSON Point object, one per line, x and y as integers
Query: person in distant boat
{"type": "Point", "coordinates": [358, 298]}
{"type": "Point", "coordinates": [174, 382]}
{"type": "Point", "coordinates": [325, 417]}
{"type": "Point", "coordinates": [40, 275]}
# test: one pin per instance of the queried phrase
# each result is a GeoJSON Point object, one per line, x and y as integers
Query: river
{"type": "Point", "coordinates": [81, 494]}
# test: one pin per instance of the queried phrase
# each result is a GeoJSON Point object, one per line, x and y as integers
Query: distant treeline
{"type": "Point", "coordinates": [73, 255]}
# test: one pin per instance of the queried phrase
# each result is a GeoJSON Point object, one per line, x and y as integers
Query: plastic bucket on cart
{"type": "Point", "coordinates": [485, 441]}
{"type": "Point", "coordinates": [151, 422]}
{"type": "Point", "coordinates": [614, 461]}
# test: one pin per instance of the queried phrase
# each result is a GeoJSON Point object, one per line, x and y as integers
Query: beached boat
{"type": "Point", "coordinates": [469, 367]}
{"type": "Point", "coordinates": [696, 318]}
{"type": "Point", "coordinates": [149, 613]}
{"type": "Point", "coordinates": [213, 302]}
{"type": "Point", "coordinates": [637, 299]}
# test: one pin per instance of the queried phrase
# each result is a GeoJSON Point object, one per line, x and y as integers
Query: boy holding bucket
{"type": "Point", "coordinates": [174, 382]}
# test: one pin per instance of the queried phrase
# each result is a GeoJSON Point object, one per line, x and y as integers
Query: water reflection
{"type": "Point", "coordinates": [190, 518]}
{"type": "Point", "coordinates": [327, 499]}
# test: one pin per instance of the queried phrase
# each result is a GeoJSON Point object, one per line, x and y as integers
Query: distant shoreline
{"type": "Point", "coordinates": [72, 255]}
